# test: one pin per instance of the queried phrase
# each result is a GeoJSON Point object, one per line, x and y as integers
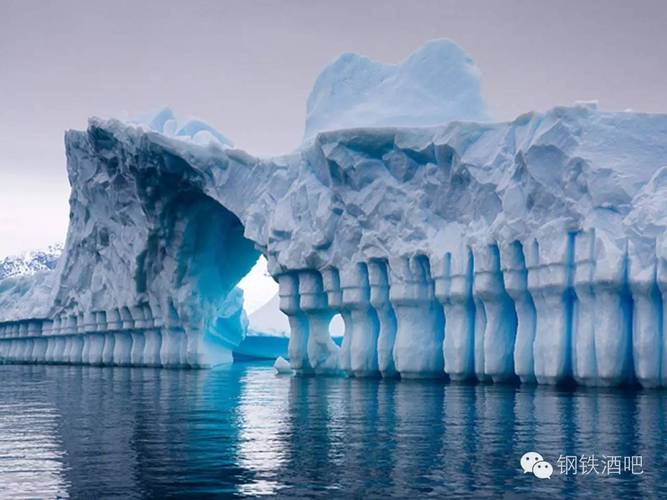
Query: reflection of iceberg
{"type": "Point", "coordinates": [33, 460]}
{"type": "Point", "coordinates": [531, 250]}
{"type": "Point", "coordinates": [262, 420]}
{"type": "Point", "coordinates": [84, 432]}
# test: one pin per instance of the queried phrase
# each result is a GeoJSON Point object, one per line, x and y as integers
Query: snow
{"type": "Point", "coordinates": [532, 249]}
{"type": "Point", "coordinates": [26, 282]}
{"type": "Point", "coordinates": [31, 262]}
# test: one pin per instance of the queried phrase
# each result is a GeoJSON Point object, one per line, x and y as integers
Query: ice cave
{"type": "Point", "coordinates": [451, 245]}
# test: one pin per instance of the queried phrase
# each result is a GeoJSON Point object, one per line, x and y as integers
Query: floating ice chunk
{"type": "Point", "coordinates": [282, 366]}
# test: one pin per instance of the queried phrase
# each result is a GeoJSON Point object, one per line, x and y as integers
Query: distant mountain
{"type": "Point", "coordinates": [31, 262]}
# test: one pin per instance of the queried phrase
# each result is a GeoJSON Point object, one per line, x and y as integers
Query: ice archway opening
{"type": "Point", "coordinates": [210, 257]}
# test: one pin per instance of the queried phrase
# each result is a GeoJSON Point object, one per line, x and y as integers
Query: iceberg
{"type": "Point", "coordinates": [531, 250]}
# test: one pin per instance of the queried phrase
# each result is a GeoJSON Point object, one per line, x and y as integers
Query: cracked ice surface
{"type": "Point", "coordinates": [532, 249]}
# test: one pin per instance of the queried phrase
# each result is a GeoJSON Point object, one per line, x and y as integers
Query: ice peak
{"type": "Point", "coordinates": [436, 84]}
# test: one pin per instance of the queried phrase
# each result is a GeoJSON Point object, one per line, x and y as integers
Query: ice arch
{"type": "Point", "coordinates": [150, 266]}
{"type": "Point", "coordinates": [213, 255]}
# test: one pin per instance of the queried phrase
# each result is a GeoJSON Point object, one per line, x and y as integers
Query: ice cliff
{"type": "Point", "coordinates": [533, 249]}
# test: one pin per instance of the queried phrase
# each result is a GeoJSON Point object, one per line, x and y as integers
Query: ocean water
{"type": "Point", "coordinates": [86, 432]}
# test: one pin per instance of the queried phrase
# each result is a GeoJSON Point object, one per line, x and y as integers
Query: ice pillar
{"type": "Point", "coordinates": [497, 348]}
{"type": "Point", "coordinates": [515, 277]}
{"type": "Point", "coordinates": [549, 264]}
{"type": "Point", "coordinates": [419, 317]}
{"type": "Point", "coordinates": [363, 320]}
{"type": "Point", "coordinates": [601, 333]}
{"type": "Point", "coordinates": [584, 364]}
{"type": "Point", "coordinates": [453, 288]}
{"type": "Point", "coordinates": [288, 291]}
{"type": "Point", "coordinates": [173, 338]}
{"type": "Point", "coordinates": [321, 349]}
{"type": "Point", "coordinates": [378, 279]}
{"type": "Point", "coordinates": [647, 330]}
{"type": "Point", "coordinates": [661, 278]}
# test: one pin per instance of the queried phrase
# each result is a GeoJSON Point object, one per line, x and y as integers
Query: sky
{"type": "Point", "coordinates": [247, 68]}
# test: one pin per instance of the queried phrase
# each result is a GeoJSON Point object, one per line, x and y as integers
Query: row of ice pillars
{"type": "Point", "coordinates": [545, 314]}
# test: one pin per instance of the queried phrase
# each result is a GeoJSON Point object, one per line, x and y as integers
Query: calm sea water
{"type": "Point", "coordinates": [85, 432]}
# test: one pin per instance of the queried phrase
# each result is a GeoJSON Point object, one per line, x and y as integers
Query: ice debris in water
{"type": "Point", "coordinates": [282, 366]}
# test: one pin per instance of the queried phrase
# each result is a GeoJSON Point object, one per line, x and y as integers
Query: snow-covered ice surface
{"type": "Point", "coordinates": [533, 249]}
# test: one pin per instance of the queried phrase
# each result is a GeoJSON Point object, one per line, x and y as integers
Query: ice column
{"type": "Point", "coordinates": [321, 349]}
{"type": "Point", "coordinates": [453, 288]}
{"type": "Point", "coordinates": [549, 265]}
{"type": "Point", "coordinates": [515, 277]}
{"type": "Point", "coordinates": [32, 330]}
{"type": "Point", "coordinates": [420, 322]}
{"type": "Point", "coordinates": [39, 348]}
{"type": "Point", "coordinates": [50, 341]}
{"type": "Point", "coordinates": [584, 364]}
{"type": "Point", "coordinates": [122, 345]}
{"type": "Point", "coordinates": [647, 330]}
{"type": "Point", "coordinates": [478, 339]}
{"type": "Point", "coordinates": [612, 309]}
{"type": "Point", "coordinates": [363, 320]}
{"type": "Point", "coordinates": [288, 291]}
{"type": "Point", "coordinates": [96, 341]}
{"type": "Point", "coordinates": [331, 281]}
{"type": "Point", "coordinates": [378, 279]}
{"type": "Point", "coordinates": [500, 329]}
{"type": "Point", "coordinates": [613, 333]}
{"type": "Point", "coordinates": [661, 278]}
{"type": "Point", "coordinates": [148, 342]}
{"type": "Point", "coordinates": [173, 339]}
{"type": "Point", "coordinates": [137, 339]}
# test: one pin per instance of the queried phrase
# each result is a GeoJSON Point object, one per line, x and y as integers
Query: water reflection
{"type": "Point", "coordinates": [31, 456]}
{"type": "Point", "coordinates": [115, 432]}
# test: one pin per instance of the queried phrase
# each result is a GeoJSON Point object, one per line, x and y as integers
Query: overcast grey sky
{"type": "Point", "coordinates": [247, 68]}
